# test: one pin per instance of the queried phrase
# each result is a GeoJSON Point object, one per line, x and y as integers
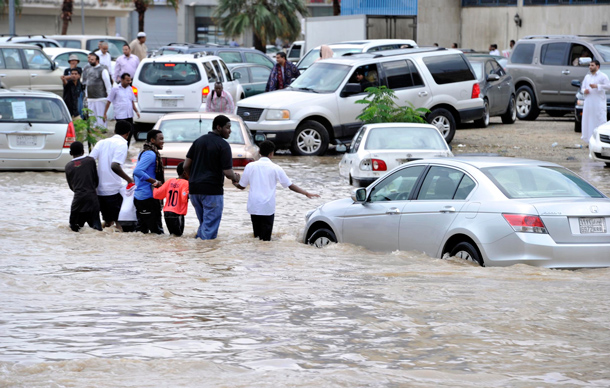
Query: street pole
{"type": "Point", "coordinates": [11, 17]}
{"type": "Point", "coordinates": [82, 16]}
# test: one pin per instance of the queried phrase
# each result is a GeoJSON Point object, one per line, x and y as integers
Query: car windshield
{"type": "Point", "coordinates": [189, 130]}
{"type": "Point", "coordinates": [517, 182]}
{"type": "Point", "coordinates": [115, 46]}
{"type": "Point", "coordinates": [158, 73]}
{"type": "Point", "coordinates": [397, 138]}
{"type": "Point", "coordinates": [604, 50]}
{"type": "Point", "coordinates": [70, 43]}
{"type": "Point", "coordinates": [315, 54]}
{"type": "Point", "coordinates": [322, 77]}
{"type": "Point", "coordinates": [33, 110]}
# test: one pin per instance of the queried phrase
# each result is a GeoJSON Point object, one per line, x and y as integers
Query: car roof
{"type": "Point", "coordinates": [400, 125]}
{"type": "Point", "coordinates": [25, 92]}
{"type": "Point", "coordinates": [53, 51]}
{"type": "Point", "coordinates": [487, 161]}
{"type": "Point", "coordinates": [66, 37]}
{"type": "Point", "coordinates": [176, 58]}
{"type": "Point", "coordinates": [25, 38]}
{"type": "Point", "coordinates": [245, 64]}
{"type": "Point", "coordinates": [19, 45]}
{"type": "Point", "coordinates": [566, 37]}
{"type": "Point", "coordinates": [196, 115]}
{"type": "Point", "coordinates": [357, 58]}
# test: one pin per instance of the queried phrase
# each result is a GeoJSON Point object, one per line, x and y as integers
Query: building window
{"type": "Point", "coordinates": [206, 31]}
{"type": "Point", "coordinates": [488, 3]}
{"type": "Point", "coordinates": [564, 2]}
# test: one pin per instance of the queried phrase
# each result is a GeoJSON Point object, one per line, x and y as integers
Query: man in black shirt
{"type": "Point", "coordinates": [72, 93]}
{"type": "Point", "coordinates": [81, 174]}
{"type": "Point", "coordinates": [208, 161]}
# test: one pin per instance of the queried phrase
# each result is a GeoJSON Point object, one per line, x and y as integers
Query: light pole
{"type": "Point", "coordinates": [82, 16]}
{"type": "Point", "coordinates": [11, 17]}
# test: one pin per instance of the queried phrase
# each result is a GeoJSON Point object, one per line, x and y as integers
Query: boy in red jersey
{"type": "Point", "coordinates": [176, 190]}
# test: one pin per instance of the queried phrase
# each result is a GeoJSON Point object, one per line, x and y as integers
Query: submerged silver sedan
{"type": "Point", "coordinates": [493, 211]}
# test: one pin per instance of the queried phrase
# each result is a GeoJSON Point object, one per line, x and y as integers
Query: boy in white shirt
{"type": "Point", "coordinates": [263, 176]}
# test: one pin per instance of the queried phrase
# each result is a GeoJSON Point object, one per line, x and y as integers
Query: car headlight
{"type": "Point", "coordinates": [278, 114]}
{"type": "Point", "coordinates": [580, 102]}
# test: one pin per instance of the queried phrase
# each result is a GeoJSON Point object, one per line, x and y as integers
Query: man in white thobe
{"type": "Point", "coordinates": [594, 88]}
{"type": "Point", "coordinates": [98, 87]}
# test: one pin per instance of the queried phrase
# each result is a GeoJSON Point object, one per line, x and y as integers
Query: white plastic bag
{"type": "Point", "coordinates": [128, 209]}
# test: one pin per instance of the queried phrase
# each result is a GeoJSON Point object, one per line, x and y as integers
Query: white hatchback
{"type": "Point", "coordinates": [179, 83]}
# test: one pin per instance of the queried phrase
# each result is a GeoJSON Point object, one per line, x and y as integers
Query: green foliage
{"type": "Point", "coordinates": [87, 129]}
{"type": "Point", "coordinates": [382, 108]}
{"type": "Point", "coordinates": [4, 7]}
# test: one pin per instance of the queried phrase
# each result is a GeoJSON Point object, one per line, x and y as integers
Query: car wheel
{"type": "Point", "coordinates": [444, 121]}
{"type": "Point", "coordinates": [310, 139]}
{"type": "Point", "coordinates": [483, 122]}
{"type": "Point", "coordinates": [468, 252]}
{"type": "Point", "coordinates": [322, 237]}
{"type": "Point", "coordinates": [510, 116]}
{"type": "Point", "coordinates": [351, 181]}
{"type": "Point", "coordinates": [527, 108]}
{"type": "Point", "coordinates": [577, 126]}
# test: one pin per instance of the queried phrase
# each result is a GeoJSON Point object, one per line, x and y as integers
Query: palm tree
{"type": "Point", "coordinates": [66, 15]}
{"type": "Point", "coordinates": [268, 19]}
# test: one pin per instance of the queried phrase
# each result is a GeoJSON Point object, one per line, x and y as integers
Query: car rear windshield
{"type": "Point", "coordinates": [189, 130]}
{"type": "Point", "coordinates": [539, 182]}
{"type": "Point", "coordinates": [604, 51]}
{"type": "Point", "coordinates": [397, 138]}
{"type": "Point", "coordinates": [446, 69]}
{"type": "Point", "coordinates": [160, 73]}
{"type": "Point", "coordinates": [33, 110]}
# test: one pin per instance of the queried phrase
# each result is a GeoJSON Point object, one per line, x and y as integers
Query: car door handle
{"type": "Point", "coordinates": [422, 94]}
{"type": "Point", "coordinates": [565, 72]}
{"type": "Point", "coordinates": [248, 88]}
{"type": "Point", "coordinates": [2, 75]}
{"type": "Point", "coordinates": [447, 209]}
{"type": "Point", "coordinates": [392, 211]}
{"type": "Point", "coordinates": [33, 75]}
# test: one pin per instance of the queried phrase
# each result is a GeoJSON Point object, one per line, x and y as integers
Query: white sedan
{"type": "Point", "coordinates": [378, 148]}
{"type": "Point", "coordinates": [599, 144]}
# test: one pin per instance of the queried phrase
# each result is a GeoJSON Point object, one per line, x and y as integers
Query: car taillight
{"type": "Point", "coordinates": [241, 162]}
{"type": "Point", "coordinates": [70, 135]}
{"type": "Point", "coordinates": [476, 91]}
{"type": "Point", "coordinates": [171, 162]}
{"type": "Point", "coordinates": [525, 223]}
{"type": "Point", "coordinates": [379, 165]}
{"type": "Point", "coordinates": [135, 92]}
{"type": "Point", "coordinates": [204, 93]}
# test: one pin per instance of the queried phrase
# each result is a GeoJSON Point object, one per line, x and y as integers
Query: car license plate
{"type": "Point", "coordinates": [592, 225]}
{"type": "Point", "coordinates": [606, 152]}
{"type": "Point", "coordinates": [169, 103]}
{"type": "Point", "coordinates": [27, 140]}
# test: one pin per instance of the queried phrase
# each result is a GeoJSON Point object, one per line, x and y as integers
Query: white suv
{"type": "Point", "coordinates": [320, 106]}
{"type": "Point", "coordinates": [178, 83]}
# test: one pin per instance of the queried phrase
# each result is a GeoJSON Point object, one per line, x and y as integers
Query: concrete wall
{"type": "Point", "coordinates": [51, 25]}
{"type": "Point", "coordinates": [499, 26]}
{"type": "Point", "coordinates": [438, 21]}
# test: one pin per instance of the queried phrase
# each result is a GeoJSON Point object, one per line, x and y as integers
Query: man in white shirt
{"type": "Point", "coordinates": [263, 176]}
{"type": "Point", "coordinates": [493, 49]}
{"type": "Point", "coordinates": [124, 102]}
{"type": "Point", "coordinates": [594, 88]}
{"type": "Point", "coordinates": [110, 155]}
{"type": "Point", "coordinates": [104, 55]}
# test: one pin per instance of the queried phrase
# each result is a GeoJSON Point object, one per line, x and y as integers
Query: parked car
{"type": "Point", "coordinates": [228, 54]}
{"type": "Point", "coordinates": [580, 102]}
{"type": "Point", "coordinates": [90, 43]}
{"type": "Point", "coordinates": [497, 89]}
{"type": "Point", "coordinates": [35, 131]}
{"type": "Point", "coordinates": [60, 55]}
{"type": "Point", "coordinates": [252, 77]}
{"type": "Point", "coordinates": [178, 83]}
{"type": "Point", "coordinates": [180, 130]}
{"type": "Point", "coordinates": [492, 211]}
{"type": "Point", "coordinates": [38, 40]}
{"type": "Point", "coordinates": [378, 148]}
{"type": "Point", "coordinates": [25, 66]}
{"type": "Point", "coordinates": [599, 144]}
{"type": "Point", "coordinates": [503, 61]}
{"type": "Point", "coordinates": [271, 51]}
{"type": "Point", "coordinates": [296, 51]}
{"type": "Point", "coordinates": [543, 68]}
{"type": "Point", "coordinates": [354, 47]}
{"type": "Point", "coordinates": [319, 108]}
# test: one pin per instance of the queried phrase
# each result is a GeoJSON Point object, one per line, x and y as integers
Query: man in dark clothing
{"type": "Point", "coordinates": [81, 174]}
{"type": "Point", "coordinates": [208, 161]}
{"type": "Point", "coordinates": [72, 92]}
{"type": "Point", "coordinates": [282, 74]}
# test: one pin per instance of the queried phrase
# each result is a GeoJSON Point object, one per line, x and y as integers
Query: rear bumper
{"type": "Point", "coordinates": [471, 114]}
{"type": "Point", "coordinates": [58, 164]}
{"type": "Point", "coordinates": [152, 116]}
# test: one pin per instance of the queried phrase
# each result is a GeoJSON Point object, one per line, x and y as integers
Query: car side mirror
{"type": "Point", "coordinates": [584, 61]}
{"type": "Point", "coordinates": [54, 65]}
{"type": "Point", "coordinates": [493, 77]}
{"type": "Point", "coordinates": [237, 75]}
{"type": "Point", "coordinates": [350, 89]}
{"type": "Point", "coordinates": [359, 195]}
{"type": "Point", "coordinates": [141, 136]}
{"type": "Point", "coordinates": [259, 138]}
{"type": "Point", "coordinates": [341, 148]}
{"type": "Point", "coordinates": [575, 83]}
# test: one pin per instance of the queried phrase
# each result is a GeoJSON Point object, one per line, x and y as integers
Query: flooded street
{"type": "Point", "coordinates": [107, 309]}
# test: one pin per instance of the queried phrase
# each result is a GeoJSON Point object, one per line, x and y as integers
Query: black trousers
{"type": "Point", "coordinates": [262, 226]}
{"type": "Point", "coordinates": [174, 223]}
{"type": "Point", "coordinates": [149, 215]}
{"type": "Point", "coordinates": [131, 132]}
{"type": "Point", "coordinates": [79, 219]}
{"type": "Point", "coordinates": [110, 206]}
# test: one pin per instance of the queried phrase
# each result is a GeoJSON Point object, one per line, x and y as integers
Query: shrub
{"type": "Point", "coordinates": [382, 108]}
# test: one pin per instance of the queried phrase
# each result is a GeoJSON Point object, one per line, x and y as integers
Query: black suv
{"type": "Point", "coordinates": [228, 54]}
{"type": "Point", "coordinates": [543, 68]}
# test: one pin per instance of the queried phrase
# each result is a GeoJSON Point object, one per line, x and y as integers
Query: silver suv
{"type": "Point", "coordinates": [543, 68]}
{"type": "Point", "coordinates": [25, 66]}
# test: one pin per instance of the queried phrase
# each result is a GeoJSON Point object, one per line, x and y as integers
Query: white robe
{"type": "Point", "coordinates": [594, 110]}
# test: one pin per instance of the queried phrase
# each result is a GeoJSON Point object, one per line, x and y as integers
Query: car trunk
{"type": "Point", "coordinates": [394, 158]}
{"type": "Point", "coordinates": [573, 221]}
{"type": "Point", "coordinates": [169, 87]}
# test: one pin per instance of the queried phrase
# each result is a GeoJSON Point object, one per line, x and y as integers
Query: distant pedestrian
{"type": "Point", "coordinates": [263, 177]}
{"type": "Point", "coordinates": [73, 61]}
{"type": "Point", "coordinates": [435, 44]}
{"type": "Point", "coordinates": [282, 74]}
{"type": "Point", "coordinates": [124, 102]}
{"type": "Point", "coordinates": [325, 53]}
{"type": "Point", "coordinates": [126, 63]}
{"type": "Point", "coordinates": [97, 88]}
{"type": "Point", "coordinates": [149, 173]}
{"type": "Point", "coordinates": [594, 88]}
{"type": "Point", "coordinates": [454, 45]}
{"type": "Point", "coordinates": [493, 49]}
{"type": "Point", "coordinates": [208, 162]}
{"type": "Point", "coordinates": [73, 90]}
{"type": "Point", "coordinates": [176, 193]}
{"type": "Point", "coordinates": [110, 154]}
{"type": "Point", "coordinates": [81, 174]}
{"type": "Point", "coordinates": [104, 56]}
{"type": "Point", "coordinates": [219, 100]}
{"type": "Point", "coordinates": [138, 46]}
{"type": "Point", "coordinates": [506, 53]}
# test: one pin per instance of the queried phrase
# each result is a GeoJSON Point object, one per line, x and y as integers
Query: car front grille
{"type": "Point", "coordinates": [604, 138]}
{"type": "Point", "coordinates": [249, 114]}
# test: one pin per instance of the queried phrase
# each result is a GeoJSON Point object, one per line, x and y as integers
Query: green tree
{"type": "Point", "coordinates": [381, 107]}
{"type": "Point", "coordinates": [87, 129]}
{"type": "Point", "coordinates": [268, 19]}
